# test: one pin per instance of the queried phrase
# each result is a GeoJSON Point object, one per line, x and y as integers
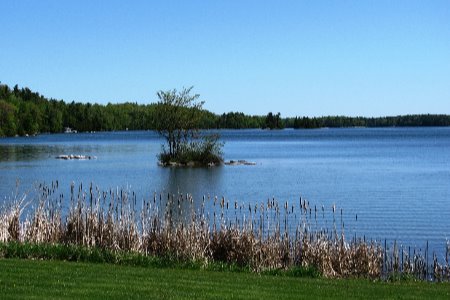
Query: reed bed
{"type": "Point", "coordinates": [271, 235]}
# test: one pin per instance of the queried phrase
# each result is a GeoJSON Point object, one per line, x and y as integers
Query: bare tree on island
{"type": "Point", "coordinates": [178, 116]}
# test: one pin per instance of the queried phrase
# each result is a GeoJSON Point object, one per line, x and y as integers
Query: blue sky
{"type": "Point", "coordinates": [305, 58]}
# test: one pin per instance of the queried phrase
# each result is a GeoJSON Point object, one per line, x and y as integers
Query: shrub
{"type": "Point", "coordinates": [206, 151]}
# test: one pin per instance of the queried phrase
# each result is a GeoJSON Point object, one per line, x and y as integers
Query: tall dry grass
{"type": "Point", "coordinates": [265, 236]}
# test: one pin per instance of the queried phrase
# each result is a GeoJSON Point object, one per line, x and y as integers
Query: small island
{"type": "Point", "coordinates": [178, 121]}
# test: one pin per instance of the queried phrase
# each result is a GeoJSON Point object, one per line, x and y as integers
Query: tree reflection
{"type": "Point", "coordinates": [194, 182]}
{"type": "Point", "coordinates": [22, 152]}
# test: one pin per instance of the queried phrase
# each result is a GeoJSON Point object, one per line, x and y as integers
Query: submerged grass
{"type": "Point", "coordinates": [111, 227]}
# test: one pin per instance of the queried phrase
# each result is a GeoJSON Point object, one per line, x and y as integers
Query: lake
{"type": "Point", "coordinates": [391, 183]}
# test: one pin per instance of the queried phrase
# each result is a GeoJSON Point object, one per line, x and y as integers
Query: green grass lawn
{"type": "Point", "coordinates": [59, 279]}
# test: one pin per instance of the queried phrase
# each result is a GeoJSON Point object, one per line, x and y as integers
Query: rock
{"type": "Point", "coordinates": [189, 164]}
{"type": "Point", "coordinates": [240, 162]}
{"type": "Point", "coordinates": [78, 157]}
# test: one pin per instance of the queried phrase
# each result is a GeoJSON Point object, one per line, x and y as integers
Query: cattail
{"type": "Point", "coordinates": [116, 222]}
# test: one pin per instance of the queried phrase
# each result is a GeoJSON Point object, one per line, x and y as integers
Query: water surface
{"type": "Point", "coordinates": [396, 180]}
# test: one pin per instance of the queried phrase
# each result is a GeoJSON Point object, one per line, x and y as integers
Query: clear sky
{"type": "Point", "coordinates": [305, 58]}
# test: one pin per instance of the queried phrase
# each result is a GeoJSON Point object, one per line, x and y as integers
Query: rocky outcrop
{"type": "Point", "coordinates": [239, 163]}
{"type": "Point", "coordinates": [78, 157]}
{"type": "Point", "coordinates": [189, 164]}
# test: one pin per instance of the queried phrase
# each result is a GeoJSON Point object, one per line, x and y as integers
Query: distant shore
{"type": "Point", "coordinates": [27, 113]}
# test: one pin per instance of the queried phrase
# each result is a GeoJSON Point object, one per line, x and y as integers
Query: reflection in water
{"type": "Point", "coordinates": [23, 152]}
{"type": "Point", "coordinates": [31, 152]}
{"type": "Point", "coordinates": [192, 181]}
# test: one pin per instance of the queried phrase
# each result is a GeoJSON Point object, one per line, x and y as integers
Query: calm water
{"type": "Point", "coordinates": [396, 180]}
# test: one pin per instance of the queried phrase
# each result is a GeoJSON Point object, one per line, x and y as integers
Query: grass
{"type": "Point", "coordinates": [61, 279]}
{"type": "Point", "coordinates": [74, 253]}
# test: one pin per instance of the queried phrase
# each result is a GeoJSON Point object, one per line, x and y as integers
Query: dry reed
{"type": "Point", "coordinates": [266, 236]}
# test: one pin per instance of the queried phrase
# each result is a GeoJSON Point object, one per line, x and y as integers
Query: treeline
{"type": "Point", "coordinates": [342, 121]}
{"type": "Point", "coordinates": [23, 112]}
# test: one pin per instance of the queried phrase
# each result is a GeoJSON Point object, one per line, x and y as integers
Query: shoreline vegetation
{"type": "Point", "coordinates": [269, 238]}
{"type": "Point", "coordinates": [24, 112]}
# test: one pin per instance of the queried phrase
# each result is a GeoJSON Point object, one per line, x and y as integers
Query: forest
{"type": "Point", "coordinates": [342, 121]}
{"type": "Point", "coordinates": [25, 112]}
